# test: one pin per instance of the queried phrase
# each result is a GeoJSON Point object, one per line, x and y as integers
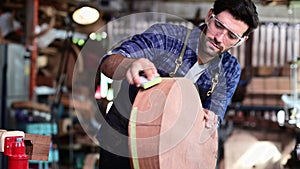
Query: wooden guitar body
{"type": "Point", "coordinates": [167, 128]}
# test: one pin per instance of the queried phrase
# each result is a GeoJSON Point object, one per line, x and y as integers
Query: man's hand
{"type": "Point", "coordinates": [141, 67]}
{"type": "Point", "coordinates": [118, 67]}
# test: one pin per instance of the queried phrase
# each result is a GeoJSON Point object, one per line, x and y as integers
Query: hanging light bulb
{"type": "Point", "coordinates": [85, 15]}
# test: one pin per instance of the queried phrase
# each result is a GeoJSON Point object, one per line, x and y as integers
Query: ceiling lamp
{"type": "Point", "coordinates": [85, 15]}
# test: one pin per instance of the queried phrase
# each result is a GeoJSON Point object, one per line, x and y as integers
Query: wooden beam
{"type": "Point", "coordinates": [31, 106]}
{"type": "Point", "coordinates": [31, 23]}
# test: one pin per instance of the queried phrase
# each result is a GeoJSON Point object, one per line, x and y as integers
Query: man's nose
{"type": "Point", "coordinates": [221, 35]}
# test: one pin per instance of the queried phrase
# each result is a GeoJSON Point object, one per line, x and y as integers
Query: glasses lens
{"type": "Point", "coordinates": [217, 26]}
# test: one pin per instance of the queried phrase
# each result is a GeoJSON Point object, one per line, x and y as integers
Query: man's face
{"type": "Point", "coordinates": [222, 33]}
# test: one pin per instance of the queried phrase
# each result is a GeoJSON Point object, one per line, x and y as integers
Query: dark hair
{"type": "Point", "coordinates": [244, 10]}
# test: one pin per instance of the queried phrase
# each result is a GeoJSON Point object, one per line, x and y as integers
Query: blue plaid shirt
{"type": "Point", "coordinates": [162, 44]}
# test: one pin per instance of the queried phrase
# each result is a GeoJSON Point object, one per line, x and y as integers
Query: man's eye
{"type": "Point", "coordinates": [218, 25]}
{"type": "Point", "coordinates": [232, 36]}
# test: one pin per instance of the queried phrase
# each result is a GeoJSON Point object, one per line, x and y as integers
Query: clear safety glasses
{"type": "Point", "coordinates": [215, 25]}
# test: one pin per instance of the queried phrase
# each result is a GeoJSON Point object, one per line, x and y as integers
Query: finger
{"type": "Point", "coordinates": [129, 77]}
{"type": "Point", "coordinates": [206, 114]}
{"type": "Point", "coordinates": [141, 65]}
{"type": "Point", "coordinates": [132, 76]}
{"type": "Point", "coordinates": [151, 73]}
{"type": "Point", "coordinates": [149, 70]}
{"type": "Point", "coordinates": [206, 117]}
{"type": "Point", "coordinates": [136, 81]}
{"type": "Point", "coordinates": [212, 119]}
{"type": "Point", "coordinates": [133, 73]}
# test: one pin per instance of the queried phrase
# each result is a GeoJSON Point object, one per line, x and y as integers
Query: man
{"type": "Point", "coordinates": [205, 61]}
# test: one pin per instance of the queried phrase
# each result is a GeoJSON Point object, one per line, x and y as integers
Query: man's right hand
{"type": "Point", "coordinates": [140, 67]}
{"type": "Point", "coordinates": [118, 67]}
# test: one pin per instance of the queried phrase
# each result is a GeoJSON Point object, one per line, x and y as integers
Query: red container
{"type": "Point", "coordinates": [16, 151]}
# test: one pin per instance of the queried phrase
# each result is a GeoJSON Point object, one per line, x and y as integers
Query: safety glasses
{"type": "Point", "coordinates": [215, 25]}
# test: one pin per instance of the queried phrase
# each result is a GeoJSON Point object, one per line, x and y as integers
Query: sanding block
{"type": "Point", "coordinates": [145, 83]}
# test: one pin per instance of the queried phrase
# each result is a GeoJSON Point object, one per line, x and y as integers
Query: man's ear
{"type": "Point", "coordinates": [209, 13]}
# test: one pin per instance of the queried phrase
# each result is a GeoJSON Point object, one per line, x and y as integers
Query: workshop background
{"type": "Point", "coordinates": [42, 43]}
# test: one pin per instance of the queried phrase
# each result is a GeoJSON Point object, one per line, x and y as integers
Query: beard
{"type": "Point", "coordinates": [209, 48]}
